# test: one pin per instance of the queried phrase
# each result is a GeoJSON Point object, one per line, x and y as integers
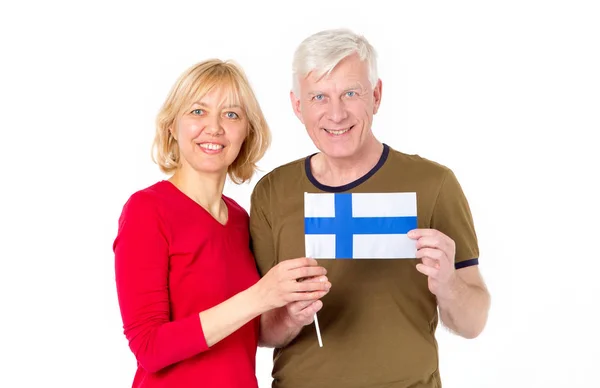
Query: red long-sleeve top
{"type": "Point", "coordinates": [172, 261]}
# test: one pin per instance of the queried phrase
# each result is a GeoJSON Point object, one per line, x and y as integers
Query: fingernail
{"type": "Point", "coordinates": [323, 278]}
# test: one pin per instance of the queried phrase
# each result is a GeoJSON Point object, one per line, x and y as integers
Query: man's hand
{"type": "Point", "coordinates": [280, 326]}
{"type": "Point", "coordinates": [462, 296]}
{"type": "Point", "coordinates": [302, 313]}
{"type": "Point", "coordinates": [436, 251]}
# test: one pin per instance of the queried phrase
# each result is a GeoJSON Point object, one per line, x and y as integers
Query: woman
{"type": "Point", "coordinates": [188, 288]}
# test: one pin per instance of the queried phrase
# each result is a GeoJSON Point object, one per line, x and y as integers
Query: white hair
{"type": "Point", "coordinates": [321, 53]}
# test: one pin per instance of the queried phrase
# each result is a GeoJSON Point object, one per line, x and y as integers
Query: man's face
{"type": "Point", "coordinates": [337, 109]}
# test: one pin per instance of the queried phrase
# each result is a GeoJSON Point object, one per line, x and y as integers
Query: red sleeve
{"type": "Point", "coordinates": [141, 269]}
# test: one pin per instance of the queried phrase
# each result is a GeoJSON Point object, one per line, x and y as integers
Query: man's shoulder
{"type": "Point", "coordinates": [291, 171]}
{"type": "Point", "coordinates": [425, 167]}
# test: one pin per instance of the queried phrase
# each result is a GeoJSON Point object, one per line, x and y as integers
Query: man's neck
{"type": "Point", "coordinates": [341, 171]}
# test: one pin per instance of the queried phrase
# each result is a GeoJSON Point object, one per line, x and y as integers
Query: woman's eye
{"type": "Point", "coordinates": [198, 111]}
{"type": "Point", "coordinates": [232, 115]}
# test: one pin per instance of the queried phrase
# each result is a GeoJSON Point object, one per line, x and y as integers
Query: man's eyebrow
{"type": "Point", "coordinates": [353, 87]}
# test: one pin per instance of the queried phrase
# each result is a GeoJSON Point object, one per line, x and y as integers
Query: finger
{"type": "Point", "coordinates": [314, 308]}
{"type": "Point", "coordinates": [446, 246]}
{"type": "Point", "coordinates": [422, 232]}
{"type": "Point", "coordinates": [304, 296]}
{"type": "Point", "coordinates": [430, 242]}
{"type": "Point", "coordinates": [426, 270]}
{"type": "Point", "coordinates": [314, 279]}
{"type": "Point", "coordinates": [304, 306]}
{"type": "Point", "coordinates": [443, 261]}
{"type": "Point", "coordinates": [298, 263]}
{"type": "Point", "coordinates": [431, 263]}
{"type": "Point", "coordinates": [311, 286]}
{"type": "Point", "coordinates": [305, 272]}
{"type": "Point", "coordinates": [310, 310]}
{"type": "Point", "coordinates": [417, 234]}
{"type": "Point", "coordinates": [438, 260]}
{"type": "Point", "coordinates": [307, 314]}
{"type": "Point", "coordinates": [446, 264]}
{"type": "Point", "coordinates": [296, 307]}
{"type": "Point", "coordinates": [430, 253]}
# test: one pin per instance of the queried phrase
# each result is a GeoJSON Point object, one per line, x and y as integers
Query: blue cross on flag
{"type": "Point", "coordinates": [359, 225]}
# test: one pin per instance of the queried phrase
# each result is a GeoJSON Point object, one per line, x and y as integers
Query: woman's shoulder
{"type": "Point", "coordinates": [150, 197]}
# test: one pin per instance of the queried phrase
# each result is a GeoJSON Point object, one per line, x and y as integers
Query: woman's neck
{"type": "Point", "coordinates": [205, 189]}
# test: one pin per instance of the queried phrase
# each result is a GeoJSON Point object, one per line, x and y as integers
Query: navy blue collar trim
{"type": "Point", "coordinates": [351, 185]}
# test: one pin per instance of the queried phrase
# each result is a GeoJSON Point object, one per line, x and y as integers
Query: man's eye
{"type": "Point", "coordinates": [319, 97]}
{"type": "Point", "coordinates": [351, 94]}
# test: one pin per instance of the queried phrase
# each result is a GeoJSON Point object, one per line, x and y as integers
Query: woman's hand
{"type": "Point", "coordinates": [300, 279]}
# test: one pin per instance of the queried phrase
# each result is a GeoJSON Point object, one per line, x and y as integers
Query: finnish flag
{"type": "Point", "coordinates": [359, 225]}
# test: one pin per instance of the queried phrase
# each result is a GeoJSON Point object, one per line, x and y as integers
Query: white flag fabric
{"type": "Point", "coordinates": [359, 225]}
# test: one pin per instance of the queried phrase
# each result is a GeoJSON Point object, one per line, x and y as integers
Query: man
{"type": "Point", "coordinates": [378, 321]}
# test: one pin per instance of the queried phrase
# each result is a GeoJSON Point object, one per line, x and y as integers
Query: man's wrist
{"type": "Point", "coordinates": [452, 290]}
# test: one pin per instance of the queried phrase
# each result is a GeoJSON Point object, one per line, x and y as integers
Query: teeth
{"type": "Point", "coordinates": [340, 132]}
{"type": "Point", "coordinates": [211, 146]}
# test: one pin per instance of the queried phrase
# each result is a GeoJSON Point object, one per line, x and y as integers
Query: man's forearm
{"type": "Point", "coordinates": [464, 308]}
{"type": "Point", "coordinates": [276, 330]}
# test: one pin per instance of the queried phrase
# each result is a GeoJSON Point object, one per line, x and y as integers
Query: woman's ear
{"type": "Point", "coordinates": [172, 132]}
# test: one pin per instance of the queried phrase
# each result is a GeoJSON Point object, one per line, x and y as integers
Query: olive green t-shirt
{"type": "Point", "coordinates": [379, 319]}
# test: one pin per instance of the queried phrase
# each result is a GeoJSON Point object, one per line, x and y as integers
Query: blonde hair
{"type": "Point", "coordinates": [191, 86]}
{"type": "Point", "coordinates": [322, 51]}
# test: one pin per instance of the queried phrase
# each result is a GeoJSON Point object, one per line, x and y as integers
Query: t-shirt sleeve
{"type": "Point", "coordinates": [261, 233]}
{"type": "Point", "coordinates": [141, 270]}
{"type": "Point", "coordinates": [452, 216]}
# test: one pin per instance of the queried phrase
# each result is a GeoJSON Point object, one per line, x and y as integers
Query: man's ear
{"type": "Point", "coordinates": [377, 96]}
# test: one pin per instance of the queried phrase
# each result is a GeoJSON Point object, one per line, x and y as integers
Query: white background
{"type": "Point", "coordinates": [507, 94]}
